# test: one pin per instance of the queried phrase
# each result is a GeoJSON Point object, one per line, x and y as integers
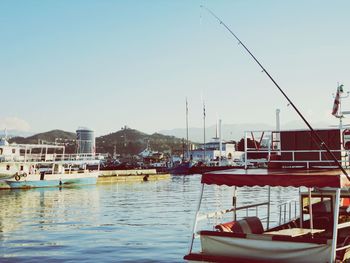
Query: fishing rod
{"type": "Point", "coordinates": [322, 143]}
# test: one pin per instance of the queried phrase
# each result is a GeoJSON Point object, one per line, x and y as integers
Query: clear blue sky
{"type": "Point", "coordinates": [104, 64]}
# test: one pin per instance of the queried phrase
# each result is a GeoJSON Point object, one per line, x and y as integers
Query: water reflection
{"type": "Point", "coordinates": [45, 207]}
{"type": "Point", "coordinates": [126, 222]}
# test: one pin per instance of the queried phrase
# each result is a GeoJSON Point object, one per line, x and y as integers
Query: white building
{"type": "Point", "coordinates": [212, 152]}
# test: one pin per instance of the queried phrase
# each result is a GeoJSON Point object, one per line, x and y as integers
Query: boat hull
{"type": "Point", "coordinates": [182, 169]}
{"type": "Point", "coordinates": [205, 169]}
{"type": "Point", "coordinates": [54, 180]}
{"type": "Point", "coordinates": [228, 247]}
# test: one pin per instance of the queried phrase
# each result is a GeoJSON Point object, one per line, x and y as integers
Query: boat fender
{"type": "Point", "coordinates": [24, 174]}
{"type": "Point", "coordinates": [17, 177]}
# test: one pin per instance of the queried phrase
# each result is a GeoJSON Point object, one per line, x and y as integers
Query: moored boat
{"type": "Point", "coordinates": [314, 227]}
{"type": "Point", "coordinates": [44, 165]}
{"type": "Point", "coordinates": [201, 168]}
{"type": "Point", "coordinates": [53, 180]}
{"type": "Point", "coordinates": [182, 169]}
{"type": "Point", "coordinates": [318, 233]}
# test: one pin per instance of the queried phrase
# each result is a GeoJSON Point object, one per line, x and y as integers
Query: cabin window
{"type": "Point", "coordinates": [13, 150]}
{"type": "Point", "coordinates": [21, 168]}
{"type": "Point", "coordinates": [8, 167]}
{"type": "Point", "coordinates": [0, 150]}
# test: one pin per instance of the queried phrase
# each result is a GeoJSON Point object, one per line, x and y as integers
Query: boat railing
{"type": "Point", "coordinates": [288, 211]}
{"type": "Point", "coordinates": [42, 158]}
{"type": "Point", "coordinates": [248, 210]}
{"type": "Point", "coordinates": [346, 243]}
{"type": "Point", "coordinates": [263, 148]}
{"type": "Point", "coordinates": [291, 157]}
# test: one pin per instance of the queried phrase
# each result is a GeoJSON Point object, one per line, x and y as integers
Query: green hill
{"type": "Point", "coordinates": [130, 141]}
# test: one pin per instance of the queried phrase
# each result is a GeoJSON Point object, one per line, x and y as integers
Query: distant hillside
{"type": "Point", "coordinates": [126, 141]}
{"type": "Point", "coordinates": [130, 141]}
{"type": "Point", "coordinates": [46, 137]}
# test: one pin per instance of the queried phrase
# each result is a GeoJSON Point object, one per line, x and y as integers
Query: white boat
{"type": "Point", "coordinates": [19, 158]}
{"type": "Point", "coordinates": [315, 227]}
{"type": "Point", "coordinates": [44, 165]}
{"type": "Point", "coordinates": [56, 179]}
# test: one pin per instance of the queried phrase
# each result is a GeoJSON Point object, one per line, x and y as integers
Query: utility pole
{"type": "Point", "coordinates": [187, 143]}
{"type": "Point", "coordinates": [220, 142]}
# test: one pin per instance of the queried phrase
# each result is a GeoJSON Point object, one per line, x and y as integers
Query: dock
{"type": "Point", "coordinates": [136, 175]}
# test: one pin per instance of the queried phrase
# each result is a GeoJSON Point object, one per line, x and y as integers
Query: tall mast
{"type": "Point", "coordinates": [220, 142]}
{"type": "Point", "coordinates": [204, 131]}
{"type": "Point", "coordinates": [187, 144]}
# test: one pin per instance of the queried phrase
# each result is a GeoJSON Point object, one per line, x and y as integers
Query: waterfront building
{"type": "Point", "coordinates": [212, 151]}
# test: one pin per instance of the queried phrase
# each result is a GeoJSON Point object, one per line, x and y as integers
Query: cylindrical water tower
{"type": "Point", "coordinates": [85, 141]}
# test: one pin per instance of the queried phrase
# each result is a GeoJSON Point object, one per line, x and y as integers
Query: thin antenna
{"type": "Point", "coordinates": [322, 143]}
{"type": "Point", "coordinates": [216, 128]}
{"type": "Point", "coordinates": [204, 131]}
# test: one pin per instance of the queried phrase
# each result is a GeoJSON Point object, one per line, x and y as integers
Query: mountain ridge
{"type": "Point", "coordinates": [125, 141]}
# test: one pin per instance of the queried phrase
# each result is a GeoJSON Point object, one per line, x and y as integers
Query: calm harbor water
{"type": "Point", "coordinates": [125, 222]}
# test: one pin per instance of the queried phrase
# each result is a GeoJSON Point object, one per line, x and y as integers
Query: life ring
{"type": "Point", "coordinates": [24, 174]}
{"type": "Point", "coordinates": [17, 177]}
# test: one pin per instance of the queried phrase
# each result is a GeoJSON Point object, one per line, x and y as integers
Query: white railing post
{"type": "Point", "coordinates": [335, 224]}
{"type": "Point", "coordinates": [280, 215]}
{"type": "Point", "coordinates": [234, 204]}
{"type": "Point", "coordinates": [310, 211]}
{"type": "Point", "coordinates": [301, 209]}
{"type": "Point", "coordinates": [320, 155]}
{"type": "Point", "coordinates": [195, 220]}
{"type": "Point", "coordinates": [290, 211]}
